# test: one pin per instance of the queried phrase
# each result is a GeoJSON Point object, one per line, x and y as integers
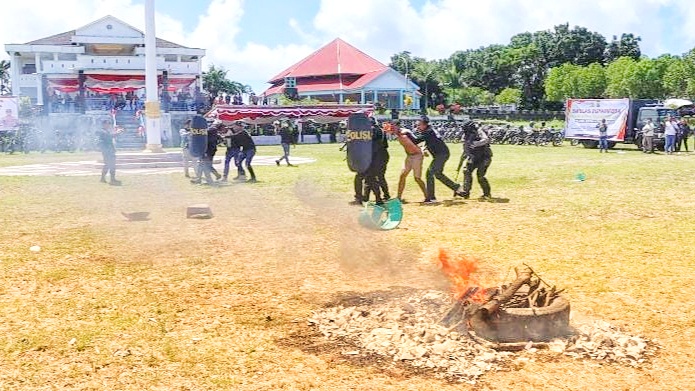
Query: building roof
{"type": "Point", "coordinates": [336, 58]}
{"type": "Point", "coordinates": [66, 37]}
{"type": "Point", "coordinates": [330, 84]}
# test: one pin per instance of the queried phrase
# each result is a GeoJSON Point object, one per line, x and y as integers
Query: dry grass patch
{"type": "Point", "coordinates": [172, 303]}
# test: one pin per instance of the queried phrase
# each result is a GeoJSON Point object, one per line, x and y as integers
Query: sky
{"type": "Point", "coordinates": [256, 39]}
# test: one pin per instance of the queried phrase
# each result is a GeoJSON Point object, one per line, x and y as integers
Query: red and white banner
{"type": "Point", "coordinates": [583, 116]}
{"type": "Point", "coordinates": [114, 84]}
{"type": "Point", "coordinates": [268, 114]}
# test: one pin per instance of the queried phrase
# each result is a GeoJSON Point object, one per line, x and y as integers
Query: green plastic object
{"type": "Point", "coordinates": [383, 217]}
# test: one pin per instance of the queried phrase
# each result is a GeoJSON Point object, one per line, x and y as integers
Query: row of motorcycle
{"type": "Point", "coordinates": [26, 139]}
{"type": "Point", "coordinates": [452, 131]}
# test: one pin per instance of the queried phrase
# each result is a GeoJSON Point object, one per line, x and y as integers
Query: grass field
{"type": "Point", "coordinates": [177, 304]}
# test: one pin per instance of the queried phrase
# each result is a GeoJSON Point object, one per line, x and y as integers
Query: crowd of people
{"type": "Point", "coordinates": [476, 155]}
{"type": "Point", "coordinates": [675, 132]}
{"type": "Point", "coordinates": [240, 150]}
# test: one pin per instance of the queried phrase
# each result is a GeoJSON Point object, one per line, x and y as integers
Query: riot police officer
{"type": "Point", "coordinates": [476, 144]}
{"type": "Point", "coordinates": [108, 152]}
{"type": "Point", "coordinates": [440, 154]}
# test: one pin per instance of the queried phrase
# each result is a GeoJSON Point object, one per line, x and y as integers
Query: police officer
{"type": "Point", "coordinates": [185, 134]}
{"type": "Point", "coordinates": [286, 139]}
{"type": "Point", "coordinates": [213, 141]}
{"type": "Point", "coordinates": [108, 152]}
{"type": "Point", "coordinates": [232, 152]}
{"type": "Point", "coordinates": [476, 144]}
{"type": "Point", "coordinates": [376, 174]}
{"type": "Point", "coordinates": [248, 149]}
{"type": "Point", "coordinates": [440, 154]}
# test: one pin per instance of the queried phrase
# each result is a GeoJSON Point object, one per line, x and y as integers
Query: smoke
{"type": "Point", "coordinates": [369, 253]}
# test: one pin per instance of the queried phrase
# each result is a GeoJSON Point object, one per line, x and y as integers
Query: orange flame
{"type": "Point", "coordinates": [460, 273]}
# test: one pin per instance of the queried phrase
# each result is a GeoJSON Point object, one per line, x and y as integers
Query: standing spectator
{"type": "Point", "coordinates": [683, 134]}
{"type": "Point", "coordinates": [648, 137]}
{"type": "Point", "coordinates": [440, 154]}
{"type": "Point", "coordinates": [286, 139]}
{"type": "Point", "coordinates": [670, 131]}
{"type": "Point", "coordinates": [602, 136]}
{"type": "Point", "coordinates": [108, 152]}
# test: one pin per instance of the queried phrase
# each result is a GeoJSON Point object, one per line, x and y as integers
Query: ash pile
{"type": "Point", "coordinates": [461, 336]}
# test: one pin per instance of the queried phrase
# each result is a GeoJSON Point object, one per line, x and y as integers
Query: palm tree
{"type": "Point", "coordinates": [214, 81]}
{"type": "Point", "coordinates": [425, 73]}
{"type": "Point", "coordinates": [452, 80]}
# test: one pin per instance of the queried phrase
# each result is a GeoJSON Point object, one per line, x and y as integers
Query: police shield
{"type": "Point", "coordinates": [199, 136]}
{"type": "Point", "coordinates": [359, 142]}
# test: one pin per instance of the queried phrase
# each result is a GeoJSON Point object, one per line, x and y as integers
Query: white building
{"type": "Point", "coordinates": [102, 58]}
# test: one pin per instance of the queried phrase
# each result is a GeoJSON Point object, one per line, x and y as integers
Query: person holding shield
{"type": "Point", "coordinates": [198, 145]}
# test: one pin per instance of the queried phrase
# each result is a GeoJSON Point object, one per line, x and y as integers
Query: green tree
{"type": "Point", "coordinates": [628, 78]}
{"type": "Point", "coordinates": [619, 76]}
{"type": "Point", "coordinates": [451, 80]}
{"type": "Point", "coordinates": [626, 46]}
{"type": "Point", "coordinates": [508, 96]}
{"type": "Point", "coordinates": [215, 81]}
{"type": "Point", "coordinates": [591, 81]}
{"type": "Point", "coordinates": [424, 73]}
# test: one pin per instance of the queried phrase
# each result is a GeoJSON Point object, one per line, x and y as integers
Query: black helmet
{"type": "Point", "coordinates": [470, 126]}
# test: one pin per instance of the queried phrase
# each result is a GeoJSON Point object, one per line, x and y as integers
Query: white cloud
{"type": "Point", "coordinates": [250, 63]}
{"type": "Point", "coordinates": [441, 27]}
{"type": "Point", "coordinates": [25, 21]}
{"type": "Point", "coordinates": [380, 28]}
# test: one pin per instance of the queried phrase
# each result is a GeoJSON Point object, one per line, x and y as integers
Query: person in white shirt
{"type": "Point", "coordinates": [670, 131]}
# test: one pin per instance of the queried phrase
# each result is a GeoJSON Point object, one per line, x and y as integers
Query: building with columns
{"type": "Point", "coordinates": [103, 58]}
{"type": "Point", "coordinates": [341, 73]}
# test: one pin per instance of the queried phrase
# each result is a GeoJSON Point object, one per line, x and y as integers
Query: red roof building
{"type": "Point", "coordinates": [341, 73]}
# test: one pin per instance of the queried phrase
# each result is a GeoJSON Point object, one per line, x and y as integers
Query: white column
{"type": "Point", "coordinates": [39, 80]}
{"type": "Point", "coordinates": [362, 101]}
{"type": "Point", "coordinates": [15, 65]}
{"type": "Point", "coordinates": [153, 113]}
{"type": "Point", "coordinates": [39, 89]}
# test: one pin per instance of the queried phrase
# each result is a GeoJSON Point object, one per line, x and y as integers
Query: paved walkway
{"type": "Point", "coordinates": [93, 167]}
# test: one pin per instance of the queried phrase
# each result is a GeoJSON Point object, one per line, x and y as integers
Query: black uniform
{"type": "Point", "coordinates": [213, 140]}
{"type": "Point", "coordinates": [248, 151]}
{"type": "Point", "coordinates": [376, 174]}
{"type": "Point", "coordinates": [108, 153]}
{"type": "Point", "coordinates": [440, 154]}
{"type": "Point", "coordinates": [479, 156]}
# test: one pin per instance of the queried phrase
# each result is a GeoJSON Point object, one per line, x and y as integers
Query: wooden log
{"type": "Point", "coordinates": [523, 276]}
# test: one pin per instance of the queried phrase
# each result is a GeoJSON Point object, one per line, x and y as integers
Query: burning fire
{"type": "Point", "coordinates": [459, 271]}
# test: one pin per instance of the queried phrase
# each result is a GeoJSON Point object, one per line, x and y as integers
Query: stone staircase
{"type": "Point", "coordinates": [129, 139]}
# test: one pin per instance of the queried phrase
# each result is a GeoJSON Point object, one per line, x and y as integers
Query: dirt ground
{"type": "Point", "coordinates": [184, 304]}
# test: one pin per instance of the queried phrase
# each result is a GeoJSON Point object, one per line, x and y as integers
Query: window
{"type": "Point", "coordinates": [290, 82]}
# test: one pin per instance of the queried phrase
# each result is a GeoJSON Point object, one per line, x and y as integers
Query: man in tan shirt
{"type": "Point", "coordinates": [648, 137]}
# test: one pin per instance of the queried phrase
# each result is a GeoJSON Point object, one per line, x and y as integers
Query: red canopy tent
{"type": "Point", "coordinates": [267, 114]}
